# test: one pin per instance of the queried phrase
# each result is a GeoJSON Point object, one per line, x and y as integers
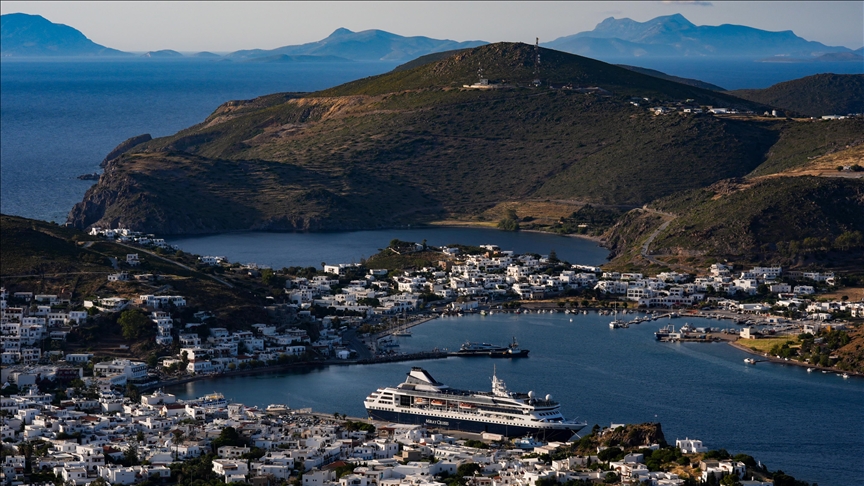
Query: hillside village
{"type": "Point", "coordinates": [340, 312]}
{"type": "Point", "coordinates": [71, 416]}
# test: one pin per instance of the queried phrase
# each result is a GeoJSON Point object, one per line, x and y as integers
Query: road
{"type": "Point", "coordinates": [669, 217]}
{"type": "Point", "coordinates": [355, 343]}
{"type": "Point", "coordinates": [137, 248]}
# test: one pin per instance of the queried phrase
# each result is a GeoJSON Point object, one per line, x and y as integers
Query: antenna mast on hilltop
{"type": "Point", "coordinates": [537, 62]}
{"type": "Point", "coordinates": [479, 71]}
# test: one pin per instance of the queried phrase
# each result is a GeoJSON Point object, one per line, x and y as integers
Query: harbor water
{"type": "Point", "coordinates": [807, 424]}
{"type": "Point", "coordinates": [279, 250]}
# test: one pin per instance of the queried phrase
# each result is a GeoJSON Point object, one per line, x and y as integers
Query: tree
{"type": "Point", "coordinates": [730, 480]}
{"type": "Point", "coordinates": [134, 324]}
{"type": "Point", "coordinates": [229, 437]}
{"type": "Point", "coordinates": [130, 456]}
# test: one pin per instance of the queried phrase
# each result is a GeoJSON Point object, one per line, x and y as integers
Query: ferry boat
{"type": "Point", "coordinates": [664, 332]}
{"type": "Point", "coordinates": [213, 401]}
{"type": "Point", "coordinates": [422, 400]}
{"type": "Point", "coordinates": [478, 349]}
{"type": "Point", "coordinates": [512, 351]}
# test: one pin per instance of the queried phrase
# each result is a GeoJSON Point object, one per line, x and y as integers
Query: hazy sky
{"type": "Point", "coordinates": [229, 26]}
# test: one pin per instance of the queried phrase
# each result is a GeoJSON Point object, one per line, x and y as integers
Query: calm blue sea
{"type": "Point", "coordinates": [807, 424]}
{"type": "Point", "coordinates": [58, 119]}
{"type": "Point", "coordinates": [742, 73]}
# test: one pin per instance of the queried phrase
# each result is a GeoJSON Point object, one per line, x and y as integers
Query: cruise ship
{"type": "Point", "coordinates": [422, 400]}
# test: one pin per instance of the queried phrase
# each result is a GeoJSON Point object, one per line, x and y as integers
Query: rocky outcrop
{"type": "Point", "coordinates": [124, 147]}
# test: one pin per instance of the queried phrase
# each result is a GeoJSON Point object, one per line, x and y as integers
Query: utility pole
{"type": "Point", "coordinates": [537, 62]}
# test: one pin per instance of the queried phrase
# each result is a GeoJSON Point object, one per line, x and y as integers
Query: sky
{"type": "Point", "coordinates": [229, 26]}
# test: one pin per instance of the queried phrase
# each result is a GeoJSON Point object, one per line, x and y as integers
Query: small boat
{"type": "Point", "coordinates": [527, 443]}
{"type": "Point", "coordinates": [402, 333]}
{"type": "Point", "coordinates": [466, 406]}
{"type": "Point", "coordinates": [845, 375]}
{"type": "Point", "coordinates": [749, 360]}
{"type": "Point", "coordinates": [419, 401]}
{"type": "Point", "coordinates": [809, 370]}
{"type": "Point", "coordinates": [438, 403]}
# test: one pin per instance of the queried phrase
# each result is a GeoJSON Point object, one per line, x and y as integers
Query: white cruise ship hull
{"type": "Point", "coordinates": [553, 432]}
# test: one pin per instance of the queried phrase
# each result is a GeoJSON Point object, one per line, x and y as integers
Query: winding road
{"type": "Point", "coordinates": [669, 217]}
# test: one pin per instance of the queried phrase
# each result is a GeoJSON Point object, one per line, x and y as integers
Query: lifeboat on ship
{"type": "Point", "coordinates": [438, 403]}
{"type": "Point", "coordinates": [466, 406]}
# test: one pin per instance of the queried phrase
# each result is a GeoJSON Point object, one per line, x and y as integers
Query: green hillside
{"type": "Point", "coordinates": [513, 64]}
{"type": "Point", "coordinates": [780, 216]}
{"type": "Point", "coordinates": [817, 95]}
{"type": "Point", "coordinates": [32, 247]}
{"type": "Point", "coordinates": [800, 142]}
{"type": "Point", "coordinates": [412, 146]}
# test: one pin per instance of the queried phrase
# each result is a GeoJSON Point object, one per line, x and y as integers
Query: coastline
{"type": "Point", "coordinates": [474, 224]}
{"type": "Point", "coordinates": [277, 368]}
{"type": "Point", "coordinates": [771, 359]}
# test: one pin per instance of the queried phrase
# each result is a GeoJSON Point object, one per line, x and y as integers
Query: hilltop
{"type": "Point", "coordinates": [817, 95]}
{"type": "Point", "coordinates": [23, 35]}
{"type": "Point", "coordinates": [412, 146]}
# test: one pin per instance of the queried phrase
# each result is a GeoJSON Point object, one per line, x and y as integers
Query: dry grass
{"type": "Point", "coordinates": [826, 166]}
{"type": "Point", "coordinates": [765, 345]}
{"type": "Point", "coordinates": [855, 294]}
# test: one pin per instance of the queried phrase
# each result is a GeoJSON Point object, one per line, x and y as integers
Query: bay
{"type": "Point", "coordinates": [807, 424]}
{"type": "Point", "coordinates": [278, 250]}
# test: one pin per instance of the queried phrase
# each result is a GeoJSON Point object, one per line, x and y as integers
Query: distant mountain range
{"type": "Point", "coordinates": [26, 35]}
{"type": "Point", "coordinates": [367, 45]}
{"type": "Point", "coordinates": [675, 36]}
{"type": "Point", "coordinates": [613, 39]}
{"type": "Point", "coordinates": [23, 35]}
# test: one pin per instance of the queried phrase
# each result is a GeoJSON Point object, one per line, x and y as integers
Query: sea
{"type": "Point", "coordinates": [59, 118]}
{"type": "Point", "coordinates": [807, 424]}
